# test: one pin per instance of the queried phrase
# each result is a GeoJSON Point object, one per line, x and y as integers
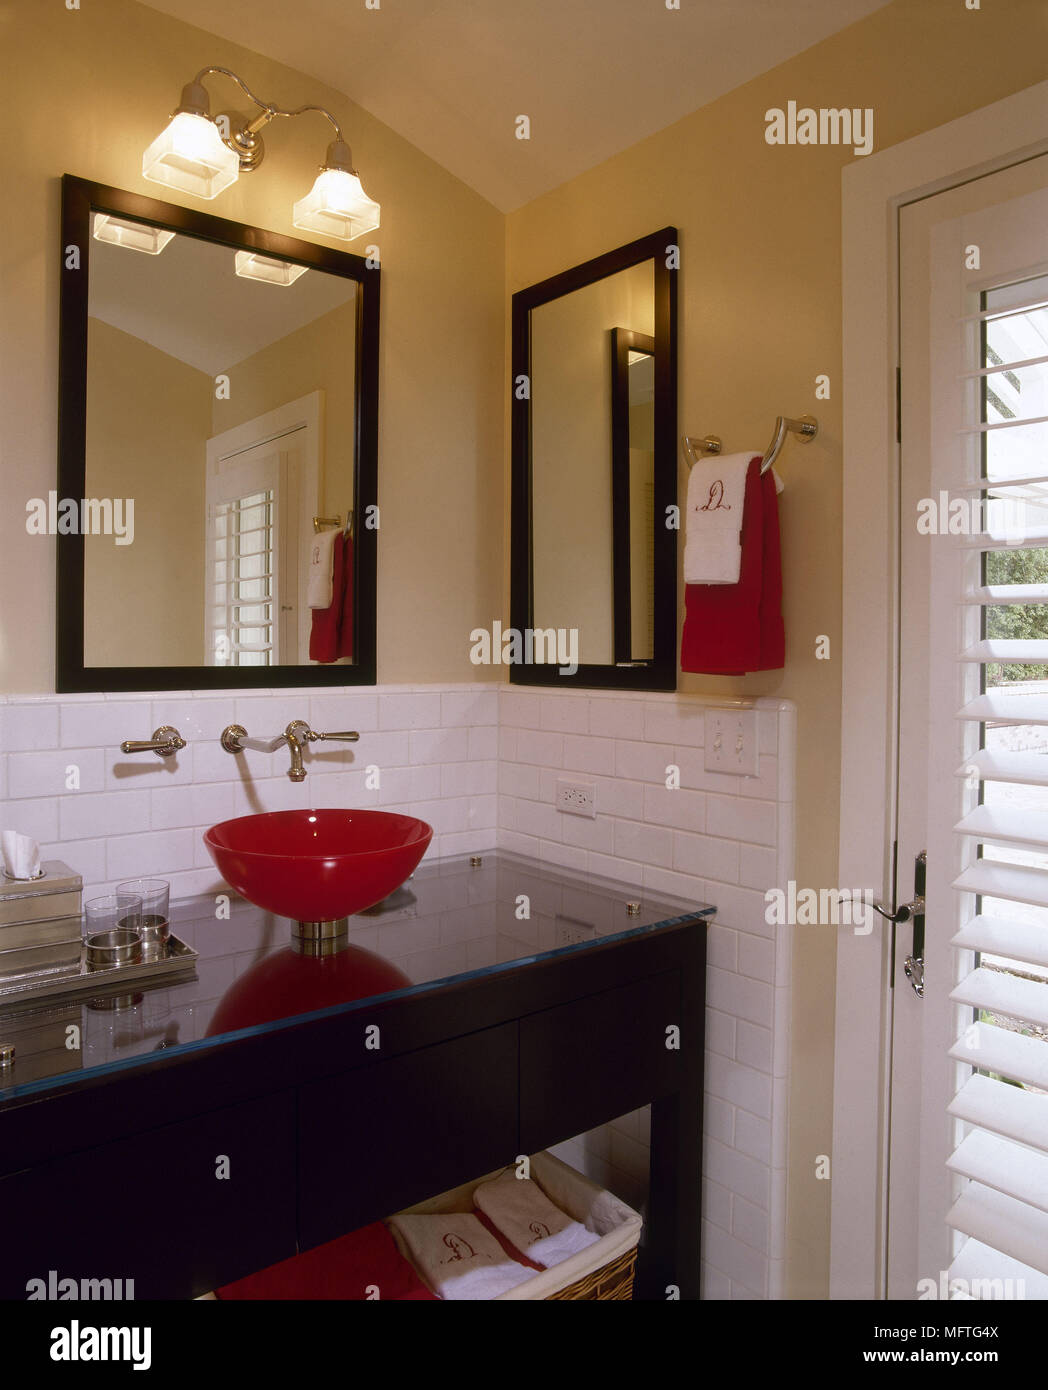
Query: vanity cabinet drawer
{"type": "Point", "coordinates": [154, 1208]}
{"type": "Point", "coordinates": [584, 1063]}
{"type": "Point", "coordinates": [386, 1135]}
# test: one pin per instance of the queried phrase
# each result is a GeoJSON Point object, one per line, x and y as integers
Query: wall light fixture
{"type": "Point", "coordinates": [202, 154]}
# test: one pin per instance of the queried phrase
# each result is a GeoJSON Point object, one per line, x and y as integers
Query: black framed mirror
{"type": "Point", "coordinates": [218, 412]}
{"type": "Point", "coordinates": [593, 533]}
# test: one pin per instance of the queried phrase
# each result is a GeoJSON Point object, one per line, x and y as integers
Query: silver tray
{"type": "Point", "coordinates": [173, 958]}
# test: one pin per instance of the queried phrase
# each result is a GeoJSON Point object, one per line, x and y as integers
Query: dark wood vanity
{"type": "Point", "coordinates": [115, 1170]}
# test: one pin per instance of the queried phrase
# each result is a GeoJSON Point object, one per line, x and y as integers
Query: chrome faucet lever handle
{"type": "Point", "coordinates": [165, 743]}
{"type": "Point", "coordinates": [347, 736]}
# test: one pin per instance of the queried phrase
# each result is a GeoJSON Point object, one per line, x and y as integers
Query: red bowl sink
{"type": "Point", "coordinates": [317, 866]}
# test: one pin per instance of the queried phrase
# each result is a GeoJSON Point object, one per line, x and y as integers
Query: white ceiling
{"type": "Point", "coordinates": [190, 303]}
{"type": "Point", "coordinates": [593, 76]}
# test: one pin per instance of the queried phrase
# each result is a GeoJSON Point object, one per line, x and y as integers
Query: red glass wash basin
{"type": "Point", "coordinates": [317, 866]}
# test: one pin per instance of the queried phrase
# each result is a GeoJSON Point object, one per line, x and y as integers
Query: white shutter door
{"type": "Point", "coordinates": [989, 869]}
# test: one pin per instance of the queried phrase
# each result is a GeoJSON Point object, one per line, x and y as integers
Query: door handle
{"type": "Point", "coordinates": [912, 911]}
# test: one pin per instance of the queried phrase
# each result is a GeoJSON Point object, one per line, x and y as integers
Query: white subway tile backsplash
{"type": "Point", "coordinates": [469, 708]}
{"type": "Point", "coordinates": [736, 1171]}
{"type": "Point", "coordinates": [706, 857]}
{"type": "Point", "coordinates": [87, 816]}
{"type": "Point", "coordinates": [757, 957]}
{"type": "Point", "coordinates": [716, 1204]}
{"type": "Point", "coordinates": [748, 999]}
{"type": "Point", "coordinates": [749, 1224]}
{"type": "Point", "coordinates": [753, 1136]}
{"type": "Point", "coordinates": [414, 711]}
{"type": "Point", "coordinates": [104, 723]}
{"type": "Point", "coordinates": [31, 726]}
{"type": "Point", "coordinates": [720, 1033]}
{"type": "Point", "coordinates": [36, 817]}
{"type": "Point", "coordinates": [643, 762]}
{"type": "Point", "coordinates": [675, 722]}
{"type": "Point", "coordinates": [566, 714]}
{"type": "Point", "coordinates": [159, 852]}
{"type": "Point", "coordinates": [58, 773]}
{"type": "Point", "coordinates": [674, 806]}
{"type": "Point", "coordinates": [753, 1045]}
{"type": "Point", "coordinates": [483, 741]}
{"type": "Point", "coordinates": [584, 754]}
{"type": "Point", "coordinates": [615, 716]}
{"type": "Point", "coordinates": [719, 1119]}
{"type": "Point", "coordinates": [644, 844]}
{"type": "Point", "coordinates": [743, 1087]}
{"type": "Point", "coordinates": [739, 819]}
{"type": "Point", "coordinates": [722, 947]}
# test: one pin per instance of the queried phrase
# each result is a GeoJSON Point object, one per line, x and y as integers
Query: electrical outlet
{"type": "Point", "coordinates": [577, 798]}
{"type": "Point", "coordinates": [731, 742]}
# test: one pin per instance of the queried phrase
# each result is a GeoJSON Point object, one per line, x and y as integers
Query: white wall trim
{"type": "Point", "coordinates": [874, 189]}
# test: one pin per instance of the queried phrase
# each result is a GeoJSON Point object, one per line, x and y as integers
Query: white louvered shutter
{"type": "Point", "coordinates": [1001, 1108]}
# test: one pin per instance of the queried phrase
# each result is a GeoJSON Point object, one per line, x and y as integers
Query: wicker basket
{"type": "Point", "coordinates": [603, 1271]}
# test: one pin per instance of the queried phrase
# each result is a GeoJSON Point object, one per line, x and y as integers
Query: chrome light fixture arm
{"type": "Point", "coordinates": [245, 141]}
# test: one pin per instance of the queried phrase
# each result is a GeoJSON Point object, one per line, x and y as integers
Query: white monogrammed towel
{"type": "Point", "coordinates": [520, 1209]}
{"type": "Point", "coordinates": [457, 1257]}
{"type": "Point", "coordinates": [713, 524]}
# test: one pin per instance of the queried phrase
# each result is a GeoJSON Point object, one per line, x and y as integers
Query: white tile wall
{"type": "Point", "coordinates": [725, 840]}
{"type": "Point", "coordinates": [112, 816]}
{"type": "Point", "coordinates": [480, 763]}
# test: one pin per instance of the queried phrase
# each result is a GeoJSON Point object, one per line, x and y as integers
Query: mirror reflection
{"type": "Point", "coordinates": [221, 405]}
{"type": "Point", "coordinates": [592, 465]}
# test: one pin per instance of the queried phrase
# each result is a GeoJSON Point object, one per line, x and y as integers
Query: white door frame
{"type": "Point", "coordinates": [873, 190]}
{"type": "Point", "coordinates": [306, 414]}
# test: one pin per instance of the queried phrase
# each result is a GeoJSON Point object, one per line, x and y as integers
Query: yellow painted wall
{"type": "Point", "coordinates": [318, 357]}
{"type": "Point", "coordinates": [760, 318]}
{"type": "Point", "coordinates": [91, 88]}
{"type": "Point", "coordinates": [144, 602]}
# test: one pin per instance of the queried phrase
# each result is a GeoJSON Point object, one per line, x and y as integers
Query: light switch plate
{"type": "Point", "coordinates": [731, 742]}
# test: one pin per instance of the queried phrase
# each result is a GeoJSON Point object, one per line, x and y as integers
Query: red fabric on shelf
{"type": "Point", "coordinates": [730, 629]}
{"type": "Point", "coordinates": [342, 1269]}
{"type": "Point", "coordinates": [323, 636]}
{"type": "Point", "coordinates": [345, 631]}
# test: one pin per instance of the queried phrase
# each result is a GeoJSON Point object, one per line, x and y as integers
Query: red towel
{"type": "Point", "coordinates": [341, 1269]}
{"type": "Point", "coordinates": [730, 629]}
{"type": "Point", "coordinates": [345, 631]}
{"type": "Point", "coordinates": [331, 635]}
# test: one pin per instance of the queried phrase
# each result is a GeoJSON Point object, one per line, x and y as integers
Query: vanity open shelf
{"type": "Point", "coordinates": [504, 1007]}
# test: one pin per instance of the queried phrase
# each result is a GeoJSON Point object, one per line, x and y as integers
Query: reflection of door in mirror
{"type": "Point", "coordinates": [261, 497]}
{"type": "Point", "coordinates": [593, 552]}
{"type": "Point", "coordinates": [221, 405]}
{"type": "Point", "coordinates": [633, 493]}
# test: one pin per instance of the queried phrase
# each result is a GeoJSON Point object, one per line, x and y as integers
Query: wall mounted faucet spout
{"type": "Point", "coordinates": [297, 735]}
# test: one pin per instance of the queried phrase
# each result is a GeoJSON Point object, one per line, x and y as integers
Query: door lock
{"type": "Point", "coordinates": [914, 968]}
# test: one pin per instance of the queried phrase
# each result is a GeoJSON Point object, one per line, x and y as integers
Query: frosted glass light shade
{"type": "Point", "coordinates": [337, 206]}
{"type": "Point", "coordinates": [252, 266]}
{"type": "Point", "coordinates": [189, 155]}
{"type": "Point", "coordinates": [136, 236]}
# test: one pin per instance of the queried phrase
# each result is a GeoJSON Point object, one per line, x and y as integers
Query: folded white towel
{"type": "Point", "coordinates": [529, 1220]}
{"type": "Point", "coordinates": [21, 855]}
{"type": "Point", "coordinates": [321, 562]}
{"type": "Point", "coordinates": [458, 1258]}
{"type": "Point", "coordinates": [713, 525]}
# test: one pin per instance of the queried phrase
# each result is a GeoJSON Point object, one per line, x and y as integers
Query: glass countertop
{"type": "Point", "coordinates": [455, 919]}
